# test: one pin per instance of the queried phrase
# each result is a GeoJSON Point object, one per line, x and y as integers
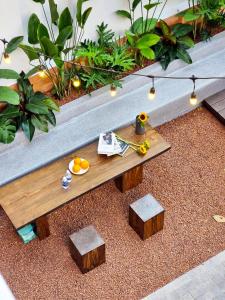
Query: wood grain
{"type": "Point", "coordinates": [130, 179]}
{"type": "Point", "coordinates": [40, 192]}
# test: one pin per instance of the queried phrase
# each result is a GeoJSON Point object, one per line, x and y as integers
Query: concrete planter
{"type": "Point", "coordinates": [81, 121]}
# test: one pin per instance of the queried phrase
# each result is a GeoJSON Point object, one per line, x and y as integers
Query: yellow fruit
{"type": "Point", "coordinates": [77, 161]}
{"type": "Point", "coordinates": [76, 168]}
{"type": "Point", "coordinates": [84, 164]}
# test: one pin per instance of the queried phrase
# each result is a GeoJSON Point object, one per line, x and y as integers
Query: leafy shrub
{"type": "Point", "coordinates": [25, 108]}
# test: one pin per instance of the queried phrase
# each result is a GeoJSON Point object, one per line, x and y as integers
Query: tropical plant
{"type": "Point", "coordinates": [173, 44]}
{"type": "Point", "coordinates": [51, 49]}
{"type": "Point", "coordinates": [107, 54]}
{"type": "Point", "coordinates": [203, 14]}
{"type": "Point", "coordinates": [24, 109]}
{"type": "Point", "coordinates": [140, 36]}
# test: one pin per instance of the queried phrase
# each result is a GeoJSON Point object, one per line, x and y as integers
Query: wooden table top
{"type": "Point", "coordinates": [40, 192]}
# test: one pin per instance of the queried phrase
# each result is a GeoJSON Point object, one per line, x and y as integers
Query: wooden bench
{"type": "Point", "coordinates": [32, 197]}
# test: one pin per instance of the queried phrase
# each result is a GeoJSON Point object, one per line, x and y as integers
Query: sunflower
{"type": "Point", "coordinates": [147, 144]}
{"type": "Point", "coordinates": [142, 150]}
{"type": "Point", "coordinates": [143, 117]}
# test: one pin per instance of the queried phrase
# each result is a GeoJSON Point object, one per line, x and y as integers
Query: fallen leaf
{"type": "Point", "coordinates": [219, 219]}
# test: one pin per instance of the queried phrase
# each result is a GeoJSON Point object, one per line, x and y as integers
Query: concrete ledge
{"type": "Point", "coordinates": [81, 121]}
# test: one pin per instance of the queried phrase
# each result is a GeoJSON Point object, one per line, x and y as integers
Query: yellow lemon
{"type": "Point", "coordinates": [84, 164]}
{"type": "Point", "coordinates": [76, 168]}
{"type": "Point", "coordinates": [77, 161]}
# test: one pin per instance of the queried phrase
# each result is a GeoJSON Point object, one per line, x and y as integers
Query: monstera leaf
{"type": "Point", "coordinates": [7, 131]}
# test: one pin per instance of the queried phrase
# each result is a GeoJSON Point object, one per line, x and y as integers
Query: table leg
{"type": "Point", "coordinates": [130, 179]}
{"type": "Point", "coordinates": [42, 227]}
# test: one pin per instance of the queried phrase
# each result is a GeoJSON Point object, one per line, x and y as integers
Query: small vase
{"type": "Point", "coordinates": [139, 128]}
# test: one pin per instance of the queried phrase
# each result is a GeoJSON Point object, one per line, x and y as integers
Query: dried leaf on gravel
{"type": "Point", "coordinates": [219, 219]}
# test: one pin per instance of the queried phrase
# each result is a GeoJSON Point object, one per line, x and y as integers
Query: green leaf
{"type": "Point", "coordinates": [42, 32]}
{"type": "Point", "coordinates": [37, 97]}
{"type": "Point", "coordinates": [40, 1]}
{"type": "Point", "coordinates": [48, 47]}
{"type": "Point", "coordinates": [59, 62]}
{"type": "Point", "coordinates": [53, 11]}
{"type": "Point", "coordinates": [180, 30]}
{"type": "Point", "coordinates": [37, 107]}
{"type": "Point", "coordinates": [190, 16]}
{"type": "Point", "coordinates": [28, 128]}
{"type": "Point", "coordinates": [186, 41]}
{"type": "Point", "coordinates": [10, 112]}
{"type": "Point", "coordinates": [135, 4]}
{"type": "Point", "coordinates": [130, 37]}
{"type": "Point", "coordinates": [33, 29]}
{"type": "Point", "coordinates": [123, 13]}
{"type": "Point", "coordinates": [151, 5]}
{"type": "Point", "coordinates": [164, 27]}
{"type": "Point", "coordinates": [183, 54]}
{"type": "Point", "coordinates": [9, 96]}
{"type": "Point", "coordinates": [64, 35]}
{"type": "Point", "coordinates": [7, 131]}
{"type": "Point", "coordinates": [65, 19]}
{"type": "Point", "coordinates": [148, 53]}
{"type": "Point", "coordinates": [165, 61]}
{"type": "Point", "coordinates": [13, 44]}
{"type": "Point", "coordinates": [51, 104]}
{"type": "Point", "coordinates": [148, 40]}
{"type": "Point", "coordinates": [51, 118]}
{"type": "Point", "coordinates": [139, 25]}
{"type": "Point", "coordinates": [79, 11]}
{"type": "Point", "coordinates": [30, 52]}
{"type": "Point", "coordinates": [8, 74]}
{"type": "Point", "coordinates": [85, 16]}
{"type": "Point", "coordinates": [39, 122]}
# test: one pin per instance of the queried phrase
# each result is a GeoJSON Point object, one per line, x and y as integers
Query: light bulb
{"type": "Point", "coordinates": [7, 58]}
{"type": "Point", "coordinates": [76, 82]}
{"type": "Point", "coordinates": [151, 94]}
{"type": "Point", "coordinates": [193, 99]}
{"type": "Point", "coordinates": [113, 91]}
{"type": "Point", "coordinates": [42, 74]}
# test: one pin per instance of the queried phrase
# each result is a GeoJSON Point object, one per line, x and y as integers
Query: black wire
{"type": "Point", "coordinates": [193, 77]}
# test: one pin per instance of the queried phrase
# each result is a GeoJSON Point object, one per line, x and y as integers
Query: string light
{"type": "Point", "coordinates": [113, 91]}
{"type": "Point", "coordinates": [193, 98]}
{"type": "Point", "coordinates": [42, 73]}
{"type": "Point", "coordinates": [76, 82]}
{"type": "Point", "coordinates": [152, 93]}
{"type": "Point", "coordinates": [7, 58]}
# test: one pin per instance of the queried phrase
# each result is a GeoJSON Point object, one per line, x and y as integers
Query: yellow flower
{"type": "Point", "coordinates": [142, 150]}
{"type": "Point", "coordinates": [147, 144]}
{"type": "Point", "coordinates": [143, 117]}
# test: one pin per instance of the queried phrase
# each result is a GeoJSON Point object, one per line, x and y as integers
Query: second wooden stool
{"type": "Point", "coordinates": [146, 216]}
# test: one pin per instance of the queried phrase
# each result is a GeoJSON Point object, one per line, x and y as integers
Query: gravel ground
{"type": "Point", "coordinates": [189, 182]}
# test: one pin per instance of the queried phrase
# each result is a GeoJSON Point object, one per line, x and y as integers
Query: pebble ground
{"type": "Point", "coordinates": [188, 180]}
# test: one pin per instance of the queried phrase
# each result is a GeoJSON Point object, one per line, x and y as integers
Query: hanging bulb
{"type": "Point", "coordinates": [113, 91]}
{"type": "Point", "coordinates": [151, 94]}
{"type": "Point", "coordinates": [42, 74]}
{"type": "Point", "coordinates": [193, 99]}
{"type": "Point", "coordinates": [7, 58]}
{"type": "Point", "coordinates": [76, 82]}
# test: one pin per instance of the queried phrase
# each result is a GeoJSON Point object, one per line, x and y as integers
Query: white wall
{"type": "Point", "coordinates": [14, 15]}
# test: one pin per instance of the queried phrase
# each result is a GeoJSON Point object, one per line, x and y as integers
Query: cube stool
{"type": "Point", "coordinates": [146, 216]}
{"type": "Point", "coordinates": [87, 248]}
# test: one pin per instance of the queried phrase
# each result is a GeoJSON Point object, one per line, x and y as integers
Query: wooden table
{"type": "Point", "coordinates": [32, 197]}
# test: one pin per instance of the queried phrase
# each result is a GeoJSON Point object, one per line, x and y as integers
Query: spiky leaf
{"type": "Point", "coordinates": [7, 131]}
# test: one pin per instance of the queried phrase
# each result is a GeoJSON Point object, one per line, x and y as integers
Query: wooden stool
{"type": "Point", "coordinates": [87, 248]}
{"type": "Point", "coordinates": [146, 216]}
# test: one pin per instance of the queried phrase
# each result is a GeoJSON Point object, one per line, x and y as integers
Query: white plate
{"type": "Point", "coordinates": [81, 172]}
